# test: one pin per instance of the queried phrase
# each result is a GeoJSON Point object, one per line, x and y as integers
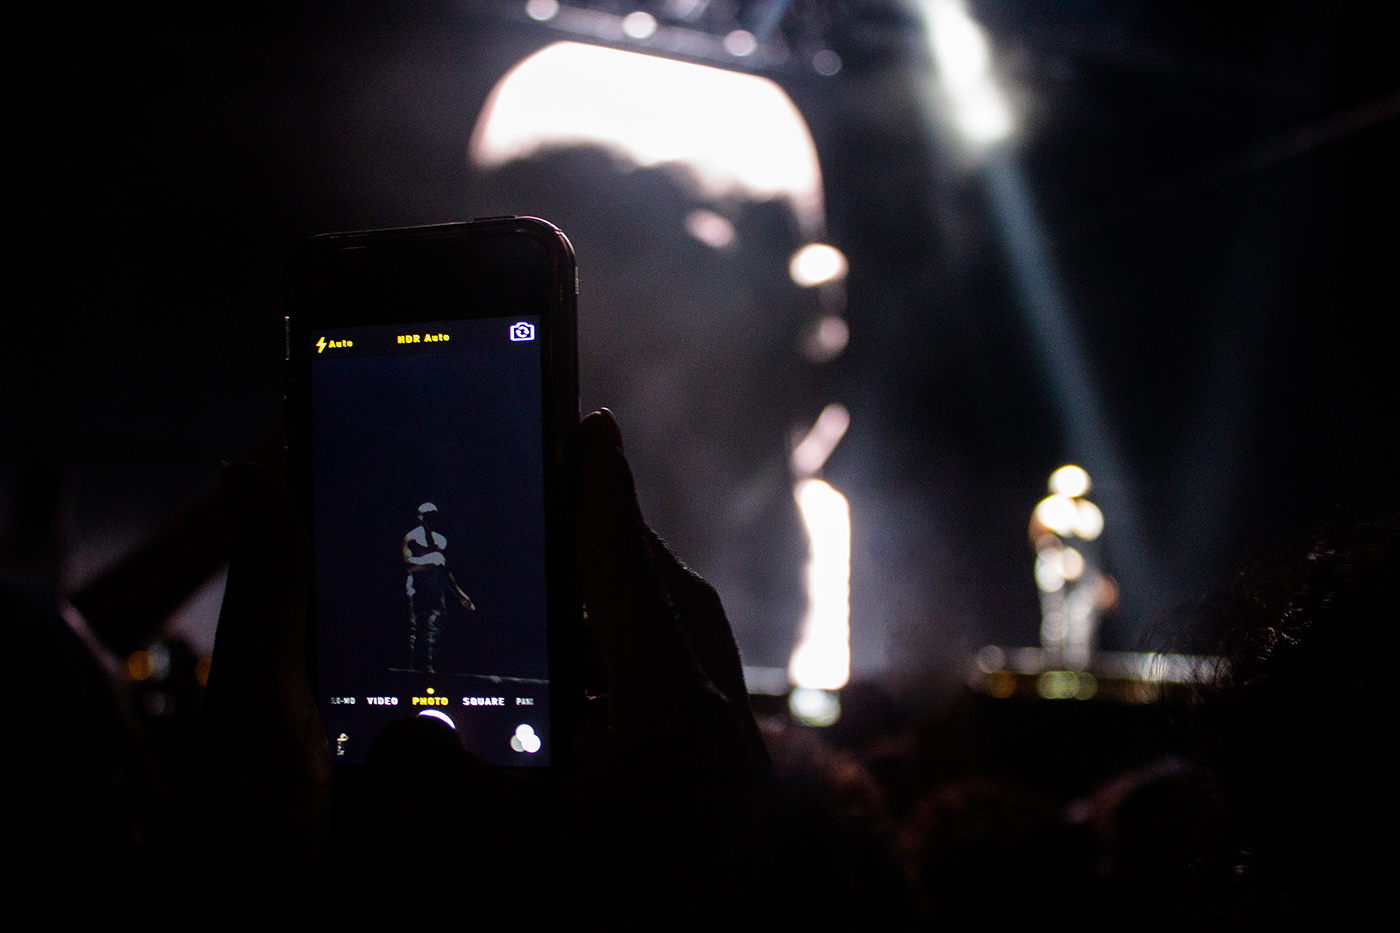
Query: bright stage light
{"type": "Point", "coordinates": [1058, 514]}
{"type": "Point", "coordinates": [1088, 520]}
{"type": "Point", "coordinates": [639, 25]}
{"type": "Point", "coordinates": [1069, 481]}
{"type": "Point", "coordinates": [983, 116]}
{"type": "Point", "coordinates": [959, 45]}
{"type": "Point", "coordinates": [816, 263]}
{"type": "Point", "coordinates": [737, 134]}
{"type": "Point", "coordinates": [822, 658]}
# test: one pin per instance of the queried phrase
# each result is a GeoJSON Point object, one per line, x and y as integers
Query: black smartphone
{"type": "Point", "coordinates": [432, 414]}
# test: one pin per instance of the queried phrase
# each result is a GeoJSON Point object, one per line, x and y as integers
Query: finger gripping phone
{"type": "Point", "coordinates": [432, 408]}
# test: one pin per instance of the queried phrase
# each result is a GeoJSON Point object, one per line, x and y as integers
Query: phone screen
{"type": "Point", "coordinates": [428, 521]}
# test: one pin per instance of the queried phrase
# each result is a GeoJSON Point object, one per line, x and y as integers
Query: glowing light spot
{"type": "Point", "coordinates": [1065, 685]}
{"type": "Point", "coordinates": [710, 228]}
{"type": "Point", "coordinates": [1088, 521]}
{"type": "Point", "coordinates": [152, 663]}
{"type": "Point", "coordinates": [826, 63]}
{"type": "Point", "coordinates": [831, 425]}
{"type": "Point", "coordinates": [1001, 684]}
{"type": "Point", "coordinates": [542, 10]}
{"type": "Point", "coordinates": [740, 43]}
{"type": "Point", "coordinates": [827, 340]}
{"type": "Point", "coordinates": [1057, 513]}
{"type": "Point", "coordinates": [816, 263]}
{"type": "Point", "coordinates": [984, 117]}
{"type": "Point", "coordinates": [991, 658]}
{"type": "Point", "coordinates": [1052, 685]}
{"type": "Point", "coordinates": [1071, 563]}
{"type": "Point", "coordinates": [822, 658]}
{"type": "Point", "coordinates": [736, 134]}
{"type": "Point", "coordinates": [439, 714]}
{"type": "Point", "coordinates": [1069, 481]}
{"type": "Point", "coordinates": [1106, 594]}
{"type": "Point", "coordinates": [639, 25]}
{"type": "Point", "coordinates": [814, 707]}
{"type": "Point", "coordinates": [138, 665]}
{"type": "Point", "coordinates": [1049, 574]}
{"type": "Point", "coordinates": [525, 740]}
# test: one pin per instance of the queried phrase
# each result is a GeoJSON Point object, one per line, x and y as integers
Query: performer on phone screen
{"type": "Point", "coordinates": [429, 581]}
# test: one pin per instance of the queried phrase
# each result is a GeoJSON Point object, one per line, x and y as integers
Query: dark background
{"type": "Point", "coordinates": [1216, 188]}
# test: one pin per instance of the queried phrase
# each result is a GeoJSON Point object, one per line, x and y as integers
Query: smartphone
{"type": "Point", "coordinates": [432, 413]}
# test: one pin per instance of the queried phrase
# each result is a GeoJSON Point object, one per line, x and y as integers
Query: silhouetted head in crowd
{"type": "Point", "coordinates": [831, 836]}
{"type": "Point", "coordinates": [1300, 721]}
{"type": "Point", "coordinates": [985, 854]}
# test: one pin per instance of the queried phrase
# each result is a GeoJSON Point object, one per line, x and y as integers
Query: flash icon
{"type": "Point", "coordinates": [321, 345]}
{"type": "Point", "coordinates": [523, 330]}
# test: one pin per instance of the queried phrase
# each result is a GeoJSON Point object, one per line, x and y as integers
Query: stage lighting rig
{"type": "Point", "coordinates": [750, 35]}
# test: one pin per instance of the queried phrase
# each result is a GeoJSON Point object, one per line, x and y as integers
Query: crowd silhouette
{"type": "Point", "coordinates": [1268, 799]}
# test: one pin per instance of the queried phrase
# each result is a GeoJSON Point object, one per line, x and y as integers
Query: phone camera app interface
{"type": "Point", "coordinates": [428, 496]}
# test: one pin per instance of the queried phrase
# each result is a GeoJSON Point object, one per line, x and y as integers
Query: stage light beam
{"type": "Point", "coordinates": [962, 55]}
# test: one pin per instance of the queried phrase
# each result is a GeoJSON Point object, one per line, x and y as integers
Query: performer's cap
{"type": "Point", "coordinates": [426, 507]}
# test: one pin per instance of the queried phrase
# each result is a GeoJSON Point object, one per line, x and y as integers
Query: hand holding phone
{"type": "Point", "coordinates": [666, 799]}
{"type": "Point", "coordinates": [432, 423]}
